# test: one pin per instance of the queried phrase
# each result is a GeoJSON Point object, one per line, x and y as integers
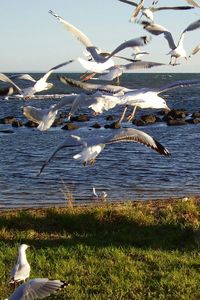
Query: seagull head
{"type": "Point", "coordinates": [23, 247]}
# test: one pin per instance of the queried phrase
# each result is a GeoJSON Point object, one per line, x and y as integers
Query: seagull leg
{"type": "Point", "coordinates": [92, 161]}
{"type": "Point", "coordinates": [131, 116]}
{"type": "Point", "coordinates": [86, 78]}
{"type": "Point", "coordinates": [122, 116]}
{"type": "Point", "coordinates": [84, 74]}
{"type": "Point", "coordinates": [118, 80]}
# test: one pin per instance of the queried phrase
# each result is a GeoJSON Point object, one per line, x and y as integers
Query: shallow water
{"type": "Point", "coordinates": [125, 170]}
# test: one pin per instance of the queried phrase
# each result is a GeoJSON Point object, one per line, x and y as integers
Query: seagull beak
{"type": "Point", "coordinates": [167, 109]}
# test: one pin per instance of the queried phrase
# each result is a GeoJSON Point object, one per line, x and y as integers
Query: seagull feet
{"type": "Point", "coordinates": [129, 118]}
{"type": "Point", "coordinates": [91, 162]}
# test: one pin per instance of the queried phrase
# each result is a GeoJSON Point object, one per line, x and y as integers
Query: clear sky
{"type": "Point", "coordinates": [32, 40]}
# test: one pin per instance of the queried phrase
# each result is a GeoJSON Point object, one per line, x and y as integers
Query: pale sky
{"type": "Point", "coordinates": [32, 40]}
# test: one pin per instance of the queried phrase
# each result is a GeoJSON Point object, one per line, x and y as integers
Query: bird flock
{"type": "Point", "coordinates": [105, 96]}
{"type": "Point", "coordinates": [99, 98]}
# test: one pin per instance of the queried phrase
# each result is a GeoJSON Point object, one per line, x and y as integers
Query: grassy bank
{"type": "Point", "coordinates": [134, 251]}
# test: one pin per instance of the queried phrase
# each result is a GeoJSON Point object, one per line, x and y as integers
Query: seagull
{"type": "Point", "coordinates": [37, 86]}
{"type": "Point", "coordinates": [148, 12]}
{"type": "Point", "coordinates": [100, 62]}
{"type": "Point", "coordinates": [37, 288]}
{"type": "Point", "coordinates": [102, 196]}
{"type": "Point", "coordinates": [142, 97]}
{"type": "Point", "coordinates": [45, 117]}
{"type": "Point", "coordinates": [176, 50]}
{"type": "Point", "coordinates": [21, 270]}
{"type": "Point", "coordinates": [92, 146]}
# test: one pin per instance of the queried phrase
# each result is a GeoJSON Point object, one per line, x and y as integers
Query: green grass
{"type": "Point", "coordinates": [135, 251]}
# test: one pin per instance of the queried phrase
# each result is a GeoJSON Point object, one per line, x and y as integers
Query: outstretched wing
{"type": "Point", "coordinates": [45, 77]}
{"type": "Point", "coordinates": [137, 136]}
{"type": "Point", "coordinates": [75, 31]}
{"type": "Point", "coordinates": [71, 142]}
{"type": "Point", "coordinates": [37, 288]}
{"type": "Point", "coordinates": [157, 29]}
{"type": "Point", "coordinates": [141, 41]}
{"type": "Point", "coordinates": [5, 78]}
{"type": "Point", "coordinates": [179, 83]}
{"type": "Point", "coordinates": [108, 88]}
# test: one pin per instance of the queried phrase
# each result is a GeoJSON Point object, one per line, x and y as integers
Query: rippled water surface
{"type": "Point", "coordinates": [126, 171]}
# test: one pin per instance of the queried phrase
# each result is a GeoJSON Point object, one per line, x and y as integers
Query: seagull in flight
{"type": "Point", "coordinates": [37, 288]}
{"type": "Point", "coordinates": [100, 62]}
{"type": "Point", "coordinates": [21, 270]}
{"type": "Point", "coordinates": [176, 50]}
{"type": "Point", "coordinates": [45, 117]}
{"type": "Point", "coordinates": [37, 86]}
{"type": "Point", "coordinates": [148, 11]}
{"type": "Point", "coordinates": [119, 95]}
{"type": "Point", "coordinates": [92, 146]}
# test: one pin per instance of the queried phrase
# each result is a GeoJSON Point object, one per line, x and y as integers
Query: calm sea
{"type": "Point", "coordinates": [126, 171]}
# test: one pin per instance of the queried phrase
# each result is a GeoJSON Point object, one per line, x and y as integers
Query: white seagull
{"type": "Point", "coordinates": [101, 197]}
{"type": "Point", "coordinates": [37, 86]}
{"type": "Point", "coordinates": [176, 50]}
{"type": "Point", "coordinates": [148, 11]}
{"type": "Point", "coordinates": [119, 95]}
{"type": "Point", "coordinates": [100, 62]}
{"type": "Point", "coordinates": [37, 288]}
{"type": "Point", "coordinates": [92, 146]}
{"type": "Point", "coordinates": [45, 117]}
{"type": "Point", "coordinates": [21, 270]}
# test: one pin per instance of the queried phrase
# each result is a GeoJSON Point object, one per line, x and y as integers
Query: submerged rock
{"type": "Point", "coordinates": [70, 126]}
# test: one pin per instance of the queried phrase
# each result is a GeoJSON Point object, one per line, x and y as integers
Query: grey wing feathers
{"type": "Point", "coordinates": [141, 41]}
{"type": "Point", "coordinates": [193, 26]}
{"type": "Point", "coordinates": [153, 9]}
{"type": "Point", "coordinates": [76, 32]}
{"type": "Point", "coordinates": [56, 67]}
{"type": "Point", "coordinates": [91, 86]}
{"type": "Point", "coordinates": [71, 142]}
{"type": "Point", "coordinates": [139, 64]}
{"type": "Point", "coordinates": [138, 136]}
{"type": "Point", "coordinates": [4, 78]}
{"type": "Point", "coordinates": [129, 2]}
{"type": "Point", "coordinates": [179, 83]}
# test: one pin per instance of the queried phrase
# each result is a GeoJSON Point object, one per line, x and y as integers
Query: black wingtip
{"type": "Point", "coordinates": [161, 149]}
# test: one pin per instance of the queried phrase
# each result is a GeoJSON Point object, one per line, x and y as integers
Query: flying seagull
{"type": "Point", "coordinates": [45, 117]}
{"type": "Point", "coordinates": [191, 2]}
{"type": "Point", "coordinates": [148, 11]}
{"type": "Point", "coordinates": [100, 62]}
{"type": "Point", "coordinates": [37, 288]}
{"type": "Point", "coordinates": [176, 50]}
{"type": "Point", "coordinates": [37, 86]}
{"type": "Point", "coordinates": [21, 270]}
{"type": "Point", "coordinates": [119, 95]}
{"type": "Point", "coordinates": [92, 146]}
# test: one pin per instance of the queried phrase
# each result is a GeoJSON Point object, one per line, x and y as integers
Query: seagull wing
{"type": "Point", "coordinates": [26, 77]}
{"type": "Point", "coordinates": [139, 64]}
{"type": "Point", "coordinates": [141, 41]}
{"type": "Point", "coordinates": [137, 136]}
{"type": "Point", "coordinates": [176, 84]}
{"type": "Point", "coordinates": [4, 78]}
{"type": "Point", "coordinates": [192, 26]}
{"type": "Point", "coordinates": [37, 288]}
{"type": "Point", "coordinates": [71, 142]}
{"type": "Point", "coordinates": [75, 31]}
{"type": "Point", "coordinates": [153, 9]}
{"type": "Point", "coordinates": [108, 88]}
{"type": "Point", "coordinates": [129, 2]}
{"type": "Point", "coordinates": [45, 77]}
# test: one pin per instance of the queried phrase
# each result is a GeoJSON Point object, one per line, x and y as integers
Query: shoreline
{"type": "Point", "coordinates": [151, 203]}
